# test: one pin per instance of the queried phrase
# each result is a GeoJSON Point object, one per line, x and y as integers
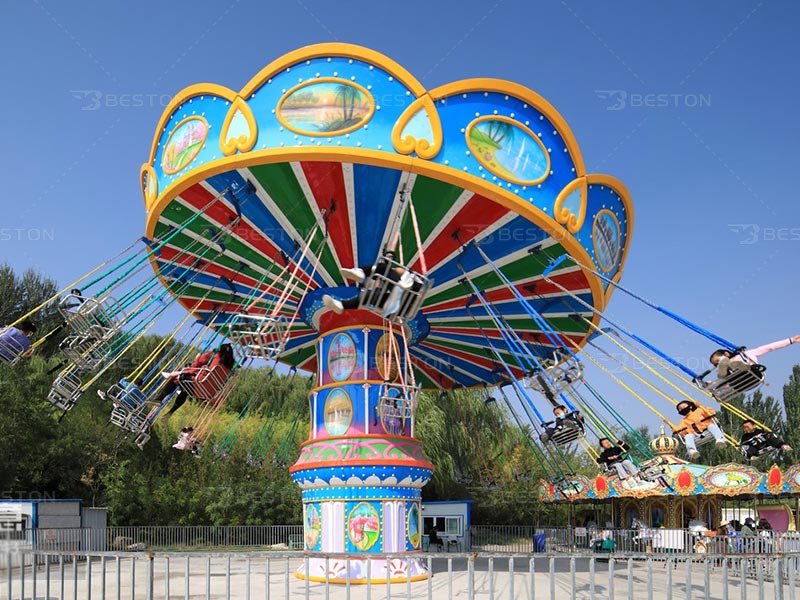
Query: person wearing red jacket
{"type": "Point", "coordinates": [194, 377]}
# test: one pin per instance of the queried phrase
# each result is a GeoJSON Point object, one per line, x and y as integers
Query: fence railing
{"type": "Point", "coordinates": [163, 538]}
{"type": "Point", "coordinates": [570, 539]}
{"type": "Point", "coordinates": [271, 575]}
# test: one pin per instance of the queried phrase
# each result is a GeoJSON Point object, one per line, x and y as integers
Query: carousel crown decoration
{"type": "Point", "coordinates": [664, 444]}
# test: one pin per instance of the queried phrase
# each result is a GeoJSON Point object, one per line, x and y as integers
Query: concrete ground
{"type": "Point", "coordinates": [268, 577]}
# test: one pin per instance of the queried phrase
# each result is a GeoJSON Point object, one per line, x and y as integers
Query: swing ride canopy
{"type": "Point", "coordinates": [315, 151]}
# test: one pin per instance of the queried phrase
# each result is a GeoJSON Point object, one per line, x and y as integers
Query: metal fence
{"type": "Point", "coordinates": [271, 575]}
{"type": "Point", "coordinates": [164, 538]}
{"type": "Point", "coordinates": [570, 539]}
{"type": "Point", "coordinates": [520, 539]}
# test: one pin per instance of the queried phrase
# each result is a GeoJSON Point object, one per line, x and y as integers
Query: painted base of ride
{"type": "Point", "coordinates": [362, 571]}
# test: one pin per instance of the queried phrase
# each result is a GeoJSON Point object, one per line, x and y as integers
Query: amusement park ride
{"type": "Point", "coordinates": [337, 217]}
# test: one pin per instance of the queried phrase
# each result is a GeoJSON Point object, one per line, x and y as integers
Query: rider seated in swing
{"type": "Point", "coordinates": [130, 395]}
{"type": "Point", "coordinates": [614, 455]}
{"type": "Point", "coordinates": [697, 419]}
{"type": "Point", "coordinates": [15, 341]}
{"type": "Point", "coordinates": [400, 277]}
{"type": "Point", "coordinates": [727, 363]}
{"type": "Point", "coordinates": [220, 362]}
{"type": "Point", "coordinates": [757, 441]}
{"type": "Point", "coordinates": [564, 419]}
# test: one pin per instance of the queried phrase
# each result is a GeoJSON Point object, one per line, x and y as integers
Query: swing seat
{"type": "Point", "coordinates": [382, 295]}
{"type": "Point", "coordinates": [653, 471]}
{"type": "Point", "coordinates": [84, 350]}
{"type": "Point", "coordinates": [259, 336]}
{"type": "Point", "coordinates": [397, 405]}
{"type": "Point", "coordinates": [222, 453]}
{"type": "Point", "coordinates": [205, 383]}
{"type": "Point", "coordinates": [565, 485]}
{"type": "Point", "coordinates": [565, 430]}
{"type": "Point", "coordinates": [562, 374]}
{"type": "Point", "coordinates": [254, 462]}
{"type": "Point", "coordinates": [119, 417]}
{"type": "Point", "coordinates": [65, 391]}
{"type": "Point", "coordinates": [92, 316]}
{"type": "Point", "coordinates": [757, 446]}
{"type": "Point", "coordinates": [702, 438]}
{"type": "Point", "coordinates": [12, 346]}
{"type": "Point", "coordinates": [130, 398]}
{"type": "Point", "coordinates": [743, 376]}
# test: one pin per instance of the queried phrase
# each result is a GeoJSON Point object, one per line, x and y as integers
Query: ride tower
{"type": "Point", "coordinates": [362, 469]}
{"type": "Point", "coordinates": [302, 173]}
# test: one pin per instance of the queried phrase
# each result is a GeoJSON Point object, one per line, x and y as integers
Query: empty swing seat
{"type": "Point", "coordinates": [564, 373]}
{"type": "Point", "coordinates": [85, 351]}
{"type": "Point", "coordinates": [565, 484]}
{"type": "Point", "coordinates": [92, 316]}
{"type": "Point", "coordinates": [65, 391]}
{"type": "Point", "coordinates": [382, 294]}
{"type": "Point", "coordinates": [254, 462]}
{"type": "Point", "coordinates": [397, 405]}
{"type": "Point", "coordinates": [259, 336]}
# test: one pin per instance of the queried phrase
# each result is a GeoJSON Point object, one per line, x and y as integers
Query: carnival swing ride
{"type": "Point", "coordinates": [337, 217]}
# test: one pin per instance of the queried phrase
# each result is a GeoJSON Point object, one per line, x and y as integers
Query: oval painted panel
{"type": "Point", "coordinates": [387, 357]}
{"type": "Point", "coordinates": [313, 526]}
{"type": "Point", "coordinates": [413, 526]}
{"type": "Point", "coordinates": [363, 526]}
{"type": "Point", "coordinates": [606, 239]}
{"type": "Point", "coordinates": [731, 479]}
{"type": "Point", "coordinates": [508, 149]}
{"type": "Point", "coordinates": [325, 107]}
{"type": "Point", "coordinates": [341, 357]}
{"type": "Point", "coordinates": [183, 144]}
{"type": "Point", "coordinates": [338, 412]}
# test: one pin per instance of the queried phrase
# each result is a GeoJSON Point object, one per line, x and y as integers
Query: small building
{"type": "Point", "coordinates": [452, 522]}
{"type": "Point", "coordinates": [53, 524]}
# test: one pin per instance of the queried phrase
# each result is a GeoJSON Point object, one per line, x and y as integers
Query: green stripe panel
{"type": "Point", "coordinates": [485, 352]}
{"type": "Point", "coordinates": [299, 357]}
{"type": "Point", "coordinates": [279, 181]}
{"type": "Point", "coordinates": [564, 325]}
{"type": "Point", "coordinates": [522, 269]}
{"type": "Point", "coordinates": [432, 199]}
{"type": "Point", "coordinates": [233, 245]}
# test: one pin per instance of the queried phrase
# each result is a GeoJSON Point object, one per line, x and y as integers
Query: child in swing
{"type": "Point", "coordinates": [696, 420]}
{"type": "Point", "coordinates": [726, 361]}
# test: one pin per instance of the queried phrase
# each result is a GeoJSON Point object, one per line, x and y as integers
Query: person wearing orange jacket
{"type": "Point", "coordinates": [696, 420]}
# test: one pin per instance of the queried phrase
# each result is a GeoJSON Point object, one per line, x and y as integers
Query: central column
{"type": "Point", "coordinates": [361, 471]}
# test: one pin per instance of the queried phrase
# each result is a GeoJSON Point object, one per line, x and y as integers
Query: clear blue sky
{"type": "Point", "coordinates": [705, 135]}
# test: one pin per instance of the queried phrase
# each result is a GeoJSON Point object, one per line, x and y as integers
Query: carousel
{"type": "Point", "coordinates": [688, 493]}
